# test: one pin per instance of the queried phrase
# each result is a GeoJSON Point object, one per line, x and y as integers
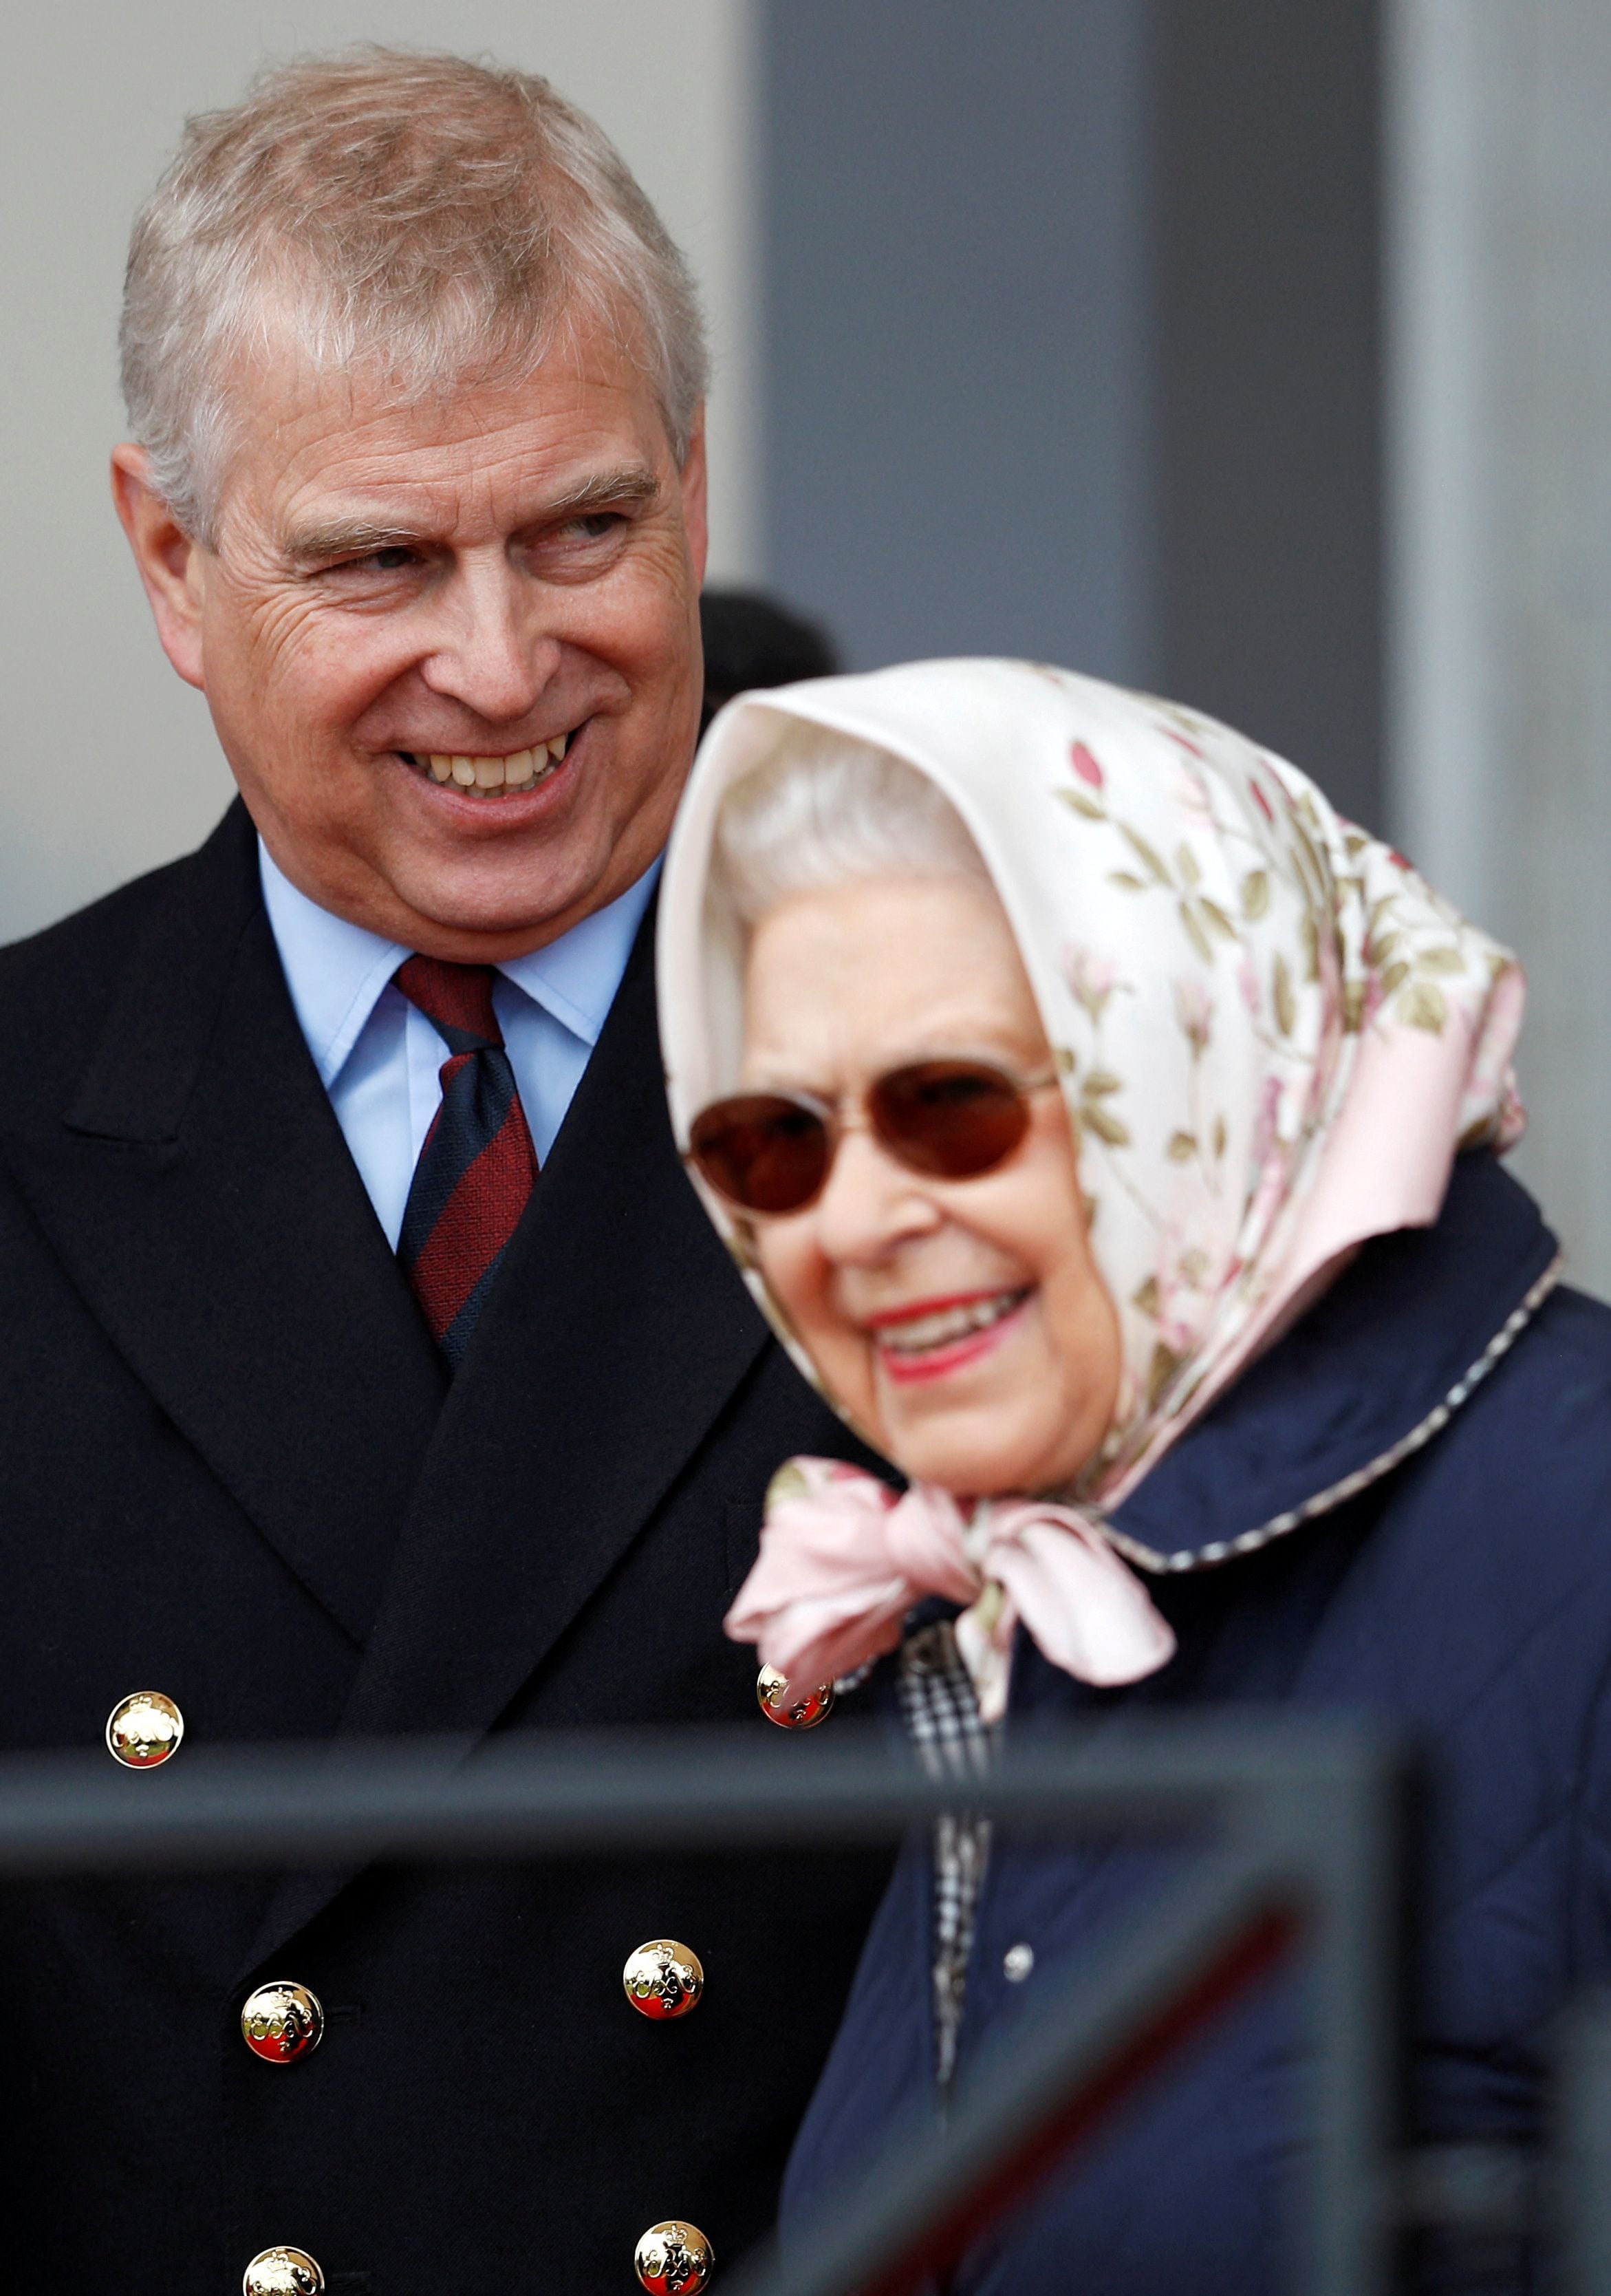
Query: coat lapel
{"type": "Point", "coordinates": [200, 1194]}
{"type": "Point", "coordinates": [615, 1333]}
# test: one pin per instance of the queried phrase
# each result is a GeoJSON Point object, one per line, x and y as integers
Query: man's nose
{"type": "Point", "coordinates": [870, 1203]}
{"type": "Point", "coordinates": [490, 650]}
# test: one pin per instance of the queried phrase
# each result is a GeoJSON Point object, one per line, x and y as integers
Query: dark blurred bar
{"type": "Point", "coordinates": [1266, 269]}
{"type": "Point", "coordinates": [1073, 346]}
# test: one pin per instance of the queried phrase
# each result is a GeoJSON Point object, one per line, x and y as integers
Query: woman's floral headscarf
{"type": "Point", "coordinates": [1273, 1036]}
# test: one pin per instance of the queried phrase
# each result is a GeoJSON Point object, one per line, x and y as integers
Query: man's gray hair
{"type": "Point", "coordinates": [824, 809]}
{"type": "Point", "coordinates": [421, 216]}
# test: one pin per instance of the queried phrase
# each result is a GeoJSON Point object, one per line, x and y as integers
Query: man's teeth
{"type": "Point", "coordinates": [946, 1325]}
{"type": "Point", "coordinates": [491, 776]}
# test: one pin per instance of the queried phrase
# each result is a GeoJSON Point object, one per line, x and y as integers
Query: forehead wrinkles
{"type": "Point", "coordinates": [404, 492]}
{"type": "Point", "coordinates": [304, 436]}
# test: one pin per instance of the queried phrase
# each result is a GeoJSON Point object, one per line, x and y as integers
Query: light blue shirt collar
{"type": "Point", "coordinates": [337, 971]}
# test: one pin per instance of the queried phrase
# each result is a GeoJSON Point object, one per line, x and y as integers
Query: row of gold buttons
{"type": "Point", "coordinates": [666, 1980]}
{"type": "Point", "coordinates": [283, 2021]}
{"type": "Point", "coordinates": [672, 2260]}
{"type": "Point", "coordinates": [146, 1729]}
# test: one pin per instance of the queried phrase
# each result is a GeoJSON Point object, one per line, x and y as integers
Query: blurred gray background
{"type": "Point", "coordinates": [1257, 353]}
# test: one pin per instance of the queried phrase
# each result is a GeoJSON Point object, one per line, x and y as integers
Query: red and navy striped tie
{"type": "Point", "coordinates": [476, 1167]}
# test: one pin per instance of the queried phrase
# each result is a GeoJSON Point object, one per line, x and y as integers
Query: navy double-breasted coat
{"type": "Point", "coordinates": [233, 1470]}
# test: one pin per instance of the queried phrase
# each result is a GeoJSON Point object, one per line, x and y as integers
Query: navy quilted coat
{"type": "Point", "coordinates": [1464, 1595]}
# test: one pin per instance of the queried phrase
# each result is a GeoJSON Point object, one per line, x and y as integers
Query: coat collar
{"type": "Point", "coordinates": [1372, 1372]}
{"type": "Point", "coordinates": [197, 1188]}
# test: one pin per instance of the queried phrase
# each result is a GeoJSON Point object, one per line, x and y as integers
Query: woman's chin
{"type": "Point", "coordinates": [989, 1448]}
{"type": "Point", "coordinates": [972, 1461]}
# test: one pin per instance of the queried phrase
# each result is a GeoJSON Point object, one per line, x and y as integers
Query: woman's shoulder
{"type": "Point", "coordinates": [1569, 1340]}
{"type": "Point", "coordinates": [1540, 1422]}
{"type": "Point", "coordinates": [1487, 1569]}
{"type": "Point", "coordinates": [1405, 1343]}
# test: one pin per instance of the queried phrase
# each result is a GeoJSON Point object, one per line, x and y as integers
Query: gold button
{"type": "Point", "coordinates": [797, 1713]}
{"type": "Point", "coordinates": [674, 2259]}
{"type": "Point", "coordinates": [281, 2022]}
{"type": "Point", "coordinates": [143, 1730]}
{"type": "Point", "coordinates": [663, 1979]}
{"type": "Point", "coordinates": [282, 2272]}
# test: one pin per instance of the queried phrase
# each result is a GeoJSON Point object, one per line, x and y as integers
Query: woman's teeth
{"type": "Point", "coordinates": [947, 1325]}
{"type": "Point", "coordinates": [495, 776]}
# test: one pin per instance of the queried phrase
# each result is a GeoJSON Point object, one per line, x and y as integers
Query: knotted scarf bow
{"type": "Point", "coordinates": [842, 1559]}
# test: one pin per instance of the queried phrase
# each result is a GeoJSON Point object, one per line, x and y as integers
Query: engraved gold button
{"type": "Point", "coordinates": [143, 1730]}
{"type": "Point", "coordinates": [663, 1979]}
{"type": "Point", "coordinates": [282, 2272]}
{"type": "Point", "coordinates": [796, 1712]}
{"type": "Point", "coordinates": [674, 2259]}
{"type": "Point", "coordinates": [281, 2022]}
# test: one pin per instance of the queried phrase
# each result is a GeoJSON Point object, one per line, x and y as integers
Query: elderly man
{"type": "Point", "coordinates": [368, 1366]}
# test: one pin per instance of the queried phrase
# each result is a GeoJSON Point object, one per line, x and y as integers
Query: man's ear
{"type": "Point", "coordinates": [172, 563]}
{"type": "Point", "coordinates": [695, 524]}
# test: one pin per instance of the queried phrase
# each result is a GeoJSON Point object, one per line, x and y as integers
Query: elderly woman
{"type": "Point", "coordinates": [1114, 1134]}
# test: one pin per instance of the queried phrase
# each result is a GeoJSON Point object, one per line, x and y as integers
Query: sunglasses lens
{"type": "Point", "coordinates": [950, 1118]}
{"type": "Point", "coordinates": [762, 1150]}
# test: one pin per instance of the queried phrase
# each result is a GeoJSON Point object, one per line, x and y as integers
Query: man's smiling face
{"type": "Point", "coordinates": [509, 580]}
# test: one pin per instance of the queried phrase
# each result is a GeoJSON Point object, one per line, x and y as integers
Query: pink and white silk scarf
{"type": "Point", "coordinates": [1273, 1038]}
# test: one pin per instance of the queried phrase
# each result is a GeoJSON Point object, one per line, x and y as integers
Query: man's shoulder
{"type": "Point", "coordinates": [77, 944]}
{"type": "Point", "coordinates": [58, 986]}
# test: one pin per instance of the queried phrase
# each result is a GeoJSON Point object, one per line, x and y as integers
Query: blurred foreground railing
{"type": "Point", "coordinates": [1303, 1864]}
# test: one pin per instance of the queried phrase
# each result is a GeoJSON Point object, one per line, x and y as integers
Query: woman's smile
{"type": "Point", "coordinates": [932, 1339]}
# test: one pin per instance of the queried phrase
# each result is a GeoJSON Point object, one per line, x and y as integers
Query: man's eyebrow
{"type": "Point", "coordinates": [356, 538]}
{"type": "Point", "coordinates": [347, 538]}
{"type": "Point", "coordinates": [632, 482]}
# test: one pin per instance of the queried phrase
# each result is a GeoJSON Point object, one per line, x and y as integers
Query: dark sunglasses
{"type": "Point", "coordinates": [771, 1151]}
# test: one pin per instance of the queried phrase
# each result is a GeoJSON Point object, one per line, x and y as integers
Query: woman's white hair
{"type": "Point", "coordinates": [426, 218]}
{"type": "Point", "coordinates": [826, 808]}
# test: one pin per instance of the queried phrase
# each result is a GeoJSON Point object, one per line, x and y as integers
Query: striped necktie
{"type": "Point", "coordinates": [476, 1167]}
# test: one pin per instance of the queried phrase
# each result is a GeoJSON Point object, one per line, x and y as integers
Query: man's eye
{"type": "Point", "coordinates": [594, 525]}
{"type": "Point", "coordinates": [392, 558]}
